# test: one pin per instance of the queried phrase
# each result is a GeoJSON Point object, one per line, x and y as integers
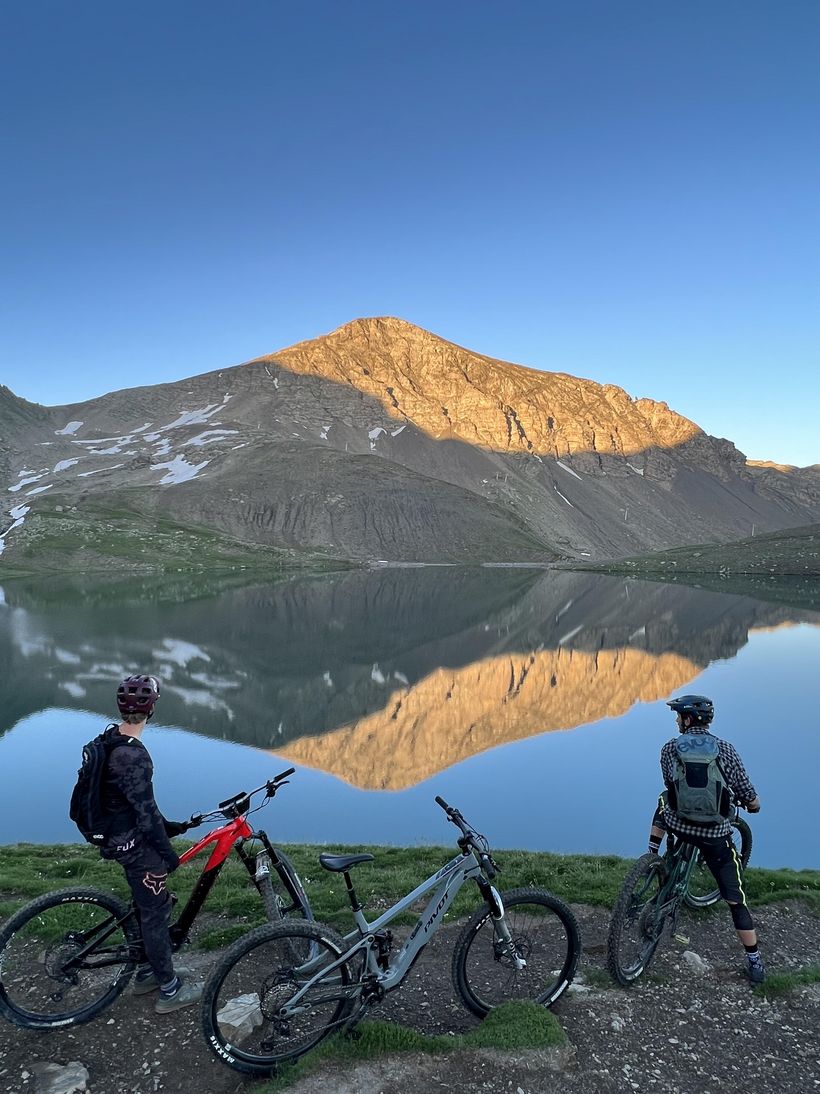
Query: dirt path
{"type": "Point", "coordinates": [679, 1031]}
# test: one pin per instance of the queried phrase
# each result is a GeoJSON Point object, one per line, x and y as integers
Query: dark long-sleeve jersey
{"type": "Point", "coordinates": [735, 774]}
{"type": "Point", "coordinates": [128, 792]}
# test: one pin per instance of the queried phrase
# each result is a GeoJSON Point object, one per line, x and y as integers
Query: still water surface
{"type": "Point", "coordinates": [534, 701]}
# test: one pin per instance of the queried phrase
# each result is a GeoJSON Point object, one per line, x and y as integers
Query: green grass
{"type": "Point", "coordinates": [781, 983]}
{"type": "Point", "coordinates": [113, 538]}
{"type": "Point", "coordinates": [510, 1027]}
{"type": "Point", "coordinates": [775, 556]}
{"type": "Point", "coordinates": [233, 905]}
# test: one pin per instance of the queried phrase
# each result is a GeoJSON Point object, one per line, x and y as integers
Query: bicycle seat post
{"type": "Point", "coordinates": [355, 903]}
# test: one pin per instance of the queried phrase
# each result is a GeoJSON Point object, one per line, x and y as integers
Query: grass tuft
{"type": "Point", "coordinates": [510, 1027]}
{"type": "Point", "coordinates": [781, 983]}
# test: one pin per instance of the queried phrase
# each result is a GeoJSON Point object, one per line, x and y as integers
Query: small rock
{"type": "Point", "coordinates": [617, 1023]}
{"type": "Point", "coordinates": [241, 1016]}
{"type": "Point", "coordinates": [695, 962]}
{"type": "Point", "coordinates": [60, 1078]}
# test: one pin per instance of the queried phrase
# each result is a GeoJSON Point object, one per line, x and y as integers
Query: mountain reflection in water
{"type": "Point", "coordinates": [382, 678]}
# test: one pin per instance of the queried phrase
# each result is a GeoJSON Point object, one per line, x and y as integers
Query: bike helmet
{"type": "Point", "coordinates": [138, 695]}
{"type": "Point", "coordinates": [697, 707]}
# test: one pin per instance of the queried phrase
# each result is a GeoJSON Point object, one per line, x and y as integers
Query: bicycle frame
{"type": "Point", "coordinates": [228, 837]}
{"type": "Point", "coordinates": [445, 884]}
{"type": "Point", "coordinates": [676, 884]}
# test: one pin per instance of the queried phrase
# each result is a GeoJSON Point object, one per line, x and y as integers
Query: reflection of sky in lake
{"type": "Point", "coordinates": [590, 789]}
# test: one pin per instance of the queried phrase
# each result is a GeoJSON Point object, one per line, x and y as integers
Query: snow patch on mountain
{"type": "Point", "coordinates": [179, 470]}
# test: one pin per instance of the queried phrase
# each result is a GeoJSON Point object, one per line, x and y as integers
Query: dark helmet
{"type": "Point", "coordinates": [697, 707]}
{"type": "Point", "coordinates": [138, 695]}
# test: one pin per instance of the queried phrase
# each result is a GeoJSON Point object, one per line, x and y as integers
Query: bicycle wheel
{"type": "Point", "coordinates": [702, 891]}
{"type": "Point", "coordinates": [245, 1015]}
{"type": "Point", "coordinates": [545, 936]}
{"type": "Point", "coordinates": [635, 929]}
{"type": "Point", "coordinates": [65, 957]}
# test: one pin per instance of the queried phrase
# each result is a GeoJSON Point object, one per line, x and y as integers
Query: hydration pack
{"type": "Point", "coordinates": [700, 792]}
{"type": "Point", "coordinates": [86, 808]}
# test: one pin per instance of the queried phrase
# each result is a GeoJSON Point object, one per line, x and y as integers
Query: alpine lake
{"type": "Point", "coordinates": [533, 700]}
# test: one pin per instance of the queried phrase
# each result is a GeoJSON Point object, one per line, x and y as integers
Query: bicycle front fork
{"type": "Point", "coordinates": [504, 944]}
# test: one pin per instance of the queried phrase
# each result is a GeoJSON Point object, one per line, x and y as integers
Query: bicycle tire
{"type": "Point", "coordinates": [257, 975]}
{"type": "Point", "coordinates": [632, 915]}
{"type": "Point", "coordinates": [287, 898]}
{"type": "Point", "coordinates": [556, 944]}
{"type": "Point", "coordinates": [701, 870]}
{"type": "Point", "coordinates": [29, 970]}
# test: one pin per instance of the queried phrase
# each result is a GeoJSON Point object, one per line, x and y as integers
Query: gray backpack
{"type": "Point", "coordinates": [701, 793]}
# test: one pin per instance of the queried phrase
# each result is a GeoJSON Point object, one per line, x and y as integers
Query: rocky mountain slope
{"type": "Point", "coordinates": [383, 441]}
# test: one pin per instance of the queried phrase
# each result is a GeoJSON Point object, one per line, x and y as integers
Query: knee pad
{"type": "Point", "coordinates": [741, 917]}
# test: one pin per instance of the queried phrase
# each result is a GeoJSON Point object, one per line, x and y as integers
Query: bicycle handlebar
{"type": "Point", "coordinates": [240, 803]}
{"type": "Point", "coordinates": [470, 838]}
{"type": "Point", "coordinates": [454, 816]}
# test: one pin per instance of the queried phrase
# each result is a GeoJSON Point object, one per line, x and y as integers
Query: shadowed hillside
{"type": "Point", "coordinates": [378, 441]}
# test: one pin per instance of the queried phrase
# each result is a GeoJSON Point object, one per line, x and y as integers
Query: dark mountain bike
{"type": "Point", "coordinates": [651, 898]}
{"type": "Point", "coordinates": [68, 955]}
{"type": "Point", "coordinates": [261, 1005]}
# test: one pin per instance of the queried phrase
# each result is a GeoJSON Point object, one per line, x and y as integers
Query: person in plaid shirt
{"type": "Point", "coordinates": [714, 841]}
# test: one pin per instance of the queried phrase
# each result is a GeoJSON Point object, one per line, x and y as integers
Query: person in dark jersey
{"type": "Point", "coordinates": [139, 841]}
{"type": "Point", "coordinates": [713, 840]}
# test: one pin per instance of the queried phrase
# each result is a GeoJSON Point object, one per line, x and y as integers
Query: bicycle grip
{"type": "Point", "coordinates": [440, 801]}
{"type": "Point", "coordinates": [283, 775]}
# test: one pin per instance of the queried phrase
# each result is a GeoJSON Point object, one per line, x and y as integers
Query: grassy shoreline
{"type": "Point", "coordinates": [27, 870]}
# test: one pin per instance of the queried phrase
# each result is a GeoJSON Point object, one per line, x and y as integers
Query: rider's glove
{"type": "Point", "coordinates": [176, 828]}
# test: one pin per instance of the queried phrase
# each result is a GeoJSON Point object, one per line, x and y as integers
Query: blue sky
{"type": "Point", "coordinates": [623, 191]}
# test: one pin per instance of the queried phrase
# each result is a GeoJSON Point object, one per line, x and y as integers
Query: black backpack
{"type": "Point", "coordinates": [86, 808]}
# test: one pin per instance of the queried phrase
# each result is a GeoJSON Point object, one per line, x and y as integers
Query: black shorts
{"type": "Point", "coordinates": [723, 860]}
{"type": "Point", "coordinates": [719, 854]}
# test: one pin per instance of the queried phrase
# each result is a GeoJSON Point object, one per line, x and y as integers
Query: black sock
{"type": "Point", "coordinates": [171, 987]}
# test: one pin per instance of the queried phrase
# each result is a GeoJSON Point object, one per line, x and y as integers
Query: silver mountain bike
{"type": "Point", "coordinates": [266, 1002]}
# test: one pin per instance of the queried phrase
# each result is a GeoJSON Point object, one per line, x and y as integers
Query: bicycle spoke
{"type": "Point", "coordinates": [264, 1005]}
{"type": "Point", "coordinates": [537, 964]}
{"type": "Point", "coordinates": [64, 960]}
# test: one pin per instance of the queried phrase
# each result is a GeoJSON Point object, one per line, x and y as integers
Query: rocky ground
{"type": "Point", "coordinates": [691, 1026]}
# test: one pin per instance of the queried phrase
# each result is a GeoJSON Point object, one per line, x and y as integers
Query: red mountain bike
{"type": "Point", "coordinates": [66, 956]}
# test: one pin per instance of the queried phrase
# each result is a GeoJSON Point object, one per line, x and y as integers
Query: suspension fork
{"type": "Point", "coordinates": [504, 944]}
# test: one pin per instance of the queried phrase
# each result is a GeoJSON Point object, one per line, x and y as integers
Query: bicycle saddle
{"type": "Point", "coordinates": [339, 863]}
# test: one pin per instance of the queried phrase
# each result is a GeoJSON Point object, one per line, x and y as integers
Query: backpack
{"type": "Point", "coordinates": [700, 791]}
{"type": "Point", "coordinates": [86, 808]}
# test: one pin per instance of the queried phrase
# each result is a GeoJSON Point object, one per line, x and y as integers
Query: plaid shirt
{"type": "Point", "coordinates": [735, 774]}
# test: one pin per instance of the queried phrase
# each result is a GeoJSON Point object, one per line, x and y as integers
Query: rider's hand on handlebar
{"type": "Point", "coordinates": [754, 806]}
{"type": "Point", "coordinates": [176, 828]}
